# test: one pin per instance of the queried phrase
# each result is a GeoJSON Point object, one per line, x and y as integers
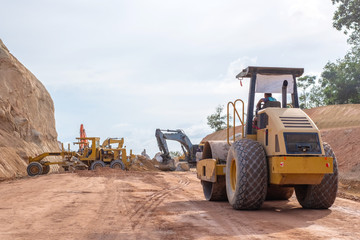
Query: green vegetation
{"type": "Point", "coordinates": [174, 154]}
{"type": "Point", "coordinates": [216, 121]}
{"type": "Point", "coordinates": [340, 80]}
{"type": "Point", "coordinates": [347, 17]}
{"type": "Point", "coordinates": [310, 94]}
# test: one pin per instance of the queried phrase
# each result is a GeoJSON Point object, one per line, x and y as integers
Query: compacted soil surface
{"type": "Point", "coordinates": [114, 204]}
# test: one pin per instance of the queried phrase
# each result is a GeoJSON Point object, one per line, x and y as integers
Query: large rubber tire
{"type": "Point", "coordinates": [34, 169]}
{"type": "Point", "coordinates": [215, 191]}
{"type": "Point", "coordinates": [46, 169]}
{"type": "Point", "coordinates": [246, 175]}
{"type": "Point", "coordinates": [117, 164]}
{"type": "Point", "coordinates": [320, 196]}
{"type": "Point", "coordinates": [275, 192]}
{"type": "Point", "coordinates": [96, 165]}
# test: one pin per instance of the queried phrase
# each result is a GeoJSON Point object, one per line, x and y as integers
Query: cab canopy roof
{"type": "Point", "coordinates": [270, 79]}
{"type": "Point", "coordinates": [249, 71]}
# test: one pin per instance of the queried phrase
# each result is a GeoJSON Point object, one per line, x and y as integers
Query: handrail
{"type": "Point", "coordinates": [241, 119]}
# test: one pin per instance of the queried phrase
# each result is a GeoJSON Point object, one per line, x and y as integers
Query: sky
{"type": "Point", "coordinates": [125, 68]}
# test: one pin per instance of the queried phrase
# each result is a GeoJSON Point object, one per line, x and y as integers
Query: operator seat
{"type": "Point", "coordinates": [260, 120]}
{"type": "Point", "coordinates": [272, 104]}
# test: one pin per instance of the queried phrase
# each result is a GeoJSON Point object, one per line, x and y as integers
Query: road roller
{"type": "Point", "coordinates": [273, 152]}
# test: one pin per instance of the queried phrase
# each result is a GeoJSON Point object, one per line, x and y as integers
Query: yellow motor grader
{"type": "Point", "coordinates": [278, 150]}
{"type": "Point", "coordinates": [89, 156]}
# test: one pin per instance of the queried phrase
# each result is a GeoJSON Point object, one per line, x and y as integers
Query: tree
{"type": "Point", "coordinates": [341, 80]}
{"type": "Point", "coordinates": [216, 121]}
{"type": "Point", "coordinates": [347, 18]}
{"type": "Point", "coordinates": [174, 154]}
{"type": "Point", "coordinates": [316, 97]}
{"type": "Point", "coordinates": [304, 83]}
{"type": "Point", "coordinates": [310, 92]}
{"type": "Point", "coordinates": [339, 83]}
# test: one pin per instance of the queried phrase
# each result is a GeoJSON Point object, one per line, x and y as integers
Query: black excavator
{"type": "Point", "coordinates": [178, 135]}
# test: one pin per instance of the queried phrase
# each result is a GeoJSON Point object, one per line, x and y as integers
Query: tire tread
{"type": "Point", "coordinates": [251, 167]}
{"type": "Point", "coordinates": [323, 195]}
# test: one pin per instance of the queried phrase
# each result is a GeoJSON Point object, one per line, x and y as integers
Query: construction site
{"type": "Point", "coordinates": [237, 183]}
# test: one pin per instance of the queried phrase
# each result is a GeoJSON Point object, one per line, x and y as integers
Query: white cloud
{"type": "Point", "coordinates": [125, 68]}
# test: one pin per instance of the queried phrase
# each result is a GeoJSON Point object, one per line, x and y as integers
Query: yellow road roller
{"type": "Point", "coordinates": [277, 149]}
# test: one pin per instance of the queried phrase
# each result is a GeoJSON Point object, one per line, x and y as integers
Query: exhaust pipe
{"type": "Point", "coordinates": [284, 88]}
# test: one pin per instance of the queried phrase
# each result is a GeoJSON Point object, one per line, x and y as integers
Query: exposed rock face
{"type": "Point", "coordinates": [27, 123]}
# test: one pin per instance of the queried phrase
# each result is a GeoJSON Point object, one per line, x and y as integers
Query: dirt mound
{"type": "Point", "coordinates": [345, 143]}
{"type": "Point", "coordinates": [340, 127]}
{"type": "Point", "coordinates": [27, 116]}
{"type": "Point", "coordinates": [142, 163]}
{"type": "Point", "coordinates": [221, 135]}
{"type": "Point", "coordinates": [335, 116]}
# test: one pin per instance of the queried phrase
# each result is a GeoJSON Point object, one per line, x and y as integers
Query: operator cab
{"type": "Point", "coordinates": [270, 80]}
{"type": "Point", "coordinates": [282, 128]}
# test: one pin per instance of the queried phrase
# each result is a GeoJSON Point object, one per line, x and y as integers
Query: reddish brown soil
{"type": "Point", "coordinates": [346, 145]}
{"type": "Point", "coordinates": [335, 116]}
{"type": "Point", "coordinates": [113, 204]}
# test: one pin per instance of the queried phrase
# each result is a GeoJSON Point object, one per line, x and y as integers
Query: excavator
{"type": "Point", "coordinates": [178, 135]}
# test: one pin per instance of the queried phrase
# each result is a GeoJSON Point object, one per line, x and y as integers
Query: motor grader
{"type": "Point", "coordinates": [278, 150]}
{"type": "Point", "coordinates": [89, 156]}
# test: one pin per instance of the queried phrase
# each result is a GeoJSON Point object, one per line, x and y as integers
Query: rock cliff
{"type": "Point", "coordinates": [27, 123]}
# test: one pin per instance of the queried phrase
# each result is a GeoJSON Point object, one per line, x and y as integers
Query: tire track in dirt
{"type": "Point", "coordinates": [144, 212]}
{"type": "Point", "coordinates": [106, 223]}
{"type": "Point", "coordinates": [191, 211]}
{"type": "Point", "coordinates": [140, 205]}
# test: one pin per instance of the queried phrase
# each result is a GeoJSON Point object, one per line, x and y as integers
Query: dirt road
{"type": "Point", "coordinates": [114, 204]}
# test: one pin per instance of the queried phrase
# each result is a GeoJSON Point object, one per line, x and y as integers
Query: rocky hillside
{"type": "Point", "coordinates": [26, 116]}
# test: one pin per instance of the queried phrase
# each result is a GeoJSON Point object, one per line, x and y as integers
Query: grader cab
{"type": "Point", "coordinates": [278, 150]}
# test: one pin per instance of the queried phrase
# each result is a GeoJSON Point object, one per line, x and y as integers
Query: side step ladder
{"type": "Point", "coordinates": [241, 119]}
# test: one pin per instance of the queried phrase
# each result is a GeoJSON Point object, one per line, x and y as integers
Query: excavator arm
{"type": "Point", "coordinates": [161, 140]}
{"type": "Point", "coordinates": [82, 135]}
